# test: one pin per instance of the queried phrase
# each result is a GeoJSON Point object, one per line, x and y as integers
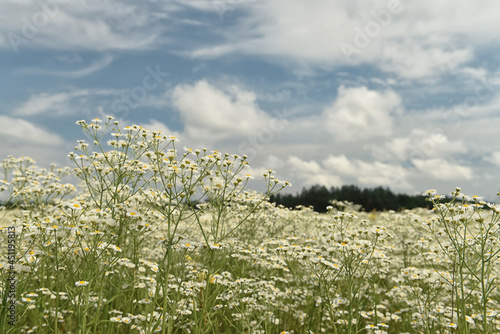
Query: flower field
{"type": "Point", "coordinates": [157, 240]}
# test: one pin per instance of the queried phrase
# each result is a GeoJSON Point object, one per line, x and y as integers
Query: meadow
{"type": "Point", "coordinates": [159, 240]}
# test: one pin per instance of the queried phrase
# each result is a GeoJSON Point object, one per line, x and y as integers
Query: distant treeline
{"type": "Point", "coordinates": [378, 198]}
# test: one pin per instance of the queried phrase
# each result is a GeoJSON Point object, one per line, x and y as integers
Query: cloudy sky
{"type": "Point", "coordinates": [403, 94]}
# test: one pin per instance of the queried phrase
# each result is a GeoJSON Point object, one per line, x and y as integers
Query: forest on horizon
{"type": "Point", "coordinates": [378, 198]}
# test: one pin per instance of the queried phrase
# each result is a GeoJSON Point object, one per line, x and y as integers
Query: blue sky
{"type": "Point", "coordinates": [403, 94]}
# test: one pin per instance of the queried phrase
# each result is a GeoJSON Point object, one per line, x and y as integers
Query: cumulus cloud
{"type": "Point", "coordinates": [337, 170]}
{"type": "Point", "coordinates": [23, 138]}
{"type": "Point", "coordinates": [368, 173]}
{"type": "Point", "coordinates": [419, 144]}
{"type": "Point", "coordinates": [311, 172]}
{"type": "Point", "coordinates": [210, 113]}
{"type": "Point", "coordinates": [442, 170]}
{"type": "Point", "coordinates": [18, 131]}
{"type": "Point", "coordinates": [359, 114]}
{"type": "Point", "coordinates": [423, 60]}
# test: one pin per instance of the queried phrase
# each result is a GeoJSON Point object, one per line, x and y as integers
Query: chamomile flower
{"type": "Point", "coordinates": [133, 214]}
{"type": "Point", "coordinates": [81, 283]}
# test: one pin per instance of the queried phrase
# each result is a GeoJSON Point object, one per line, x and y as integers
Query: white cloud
{"type": "Point", "coordinates": [18, 131]}
{"type": "Point", "coordinates": [440, 169]}
{"type": "Point", "coordinates": [413, 40]}
{"type": "Point", "coordinates": [209, 113]}
{"type": "Point", "coordinates": [86, 24]}
{"type": "Point", "coordinates": [360, 114]}
{"type": "Point", "coordinates": [311, 172]}
{"type": "Point", "coordinates": [337, 170]}
{"type": "Point", "coordinates": [416, 60]}
{"type": "Point", "coordinates": [92, 68]}
{"type": "Point", "coordinates": [76, 101]}
{"type": "Point", "coordinates": [56, 104]}
{"type": "Point", "coordinates": [373, 173]}
{"type": "Point", "coordinates": [494, 158]}
{"type": "Point", "coordinates": [419, 144]}
{"type": "Point", "coordinates": [22, 138]}
{"type": "Point", "coordinates": [219, 6]}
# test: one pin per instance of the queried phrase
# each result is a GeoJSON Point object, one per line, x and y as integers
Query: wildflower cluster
{"type": "Point", "coordinates": [30, 187]}
{"type": "Point", "coordinates": [161, 240]}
